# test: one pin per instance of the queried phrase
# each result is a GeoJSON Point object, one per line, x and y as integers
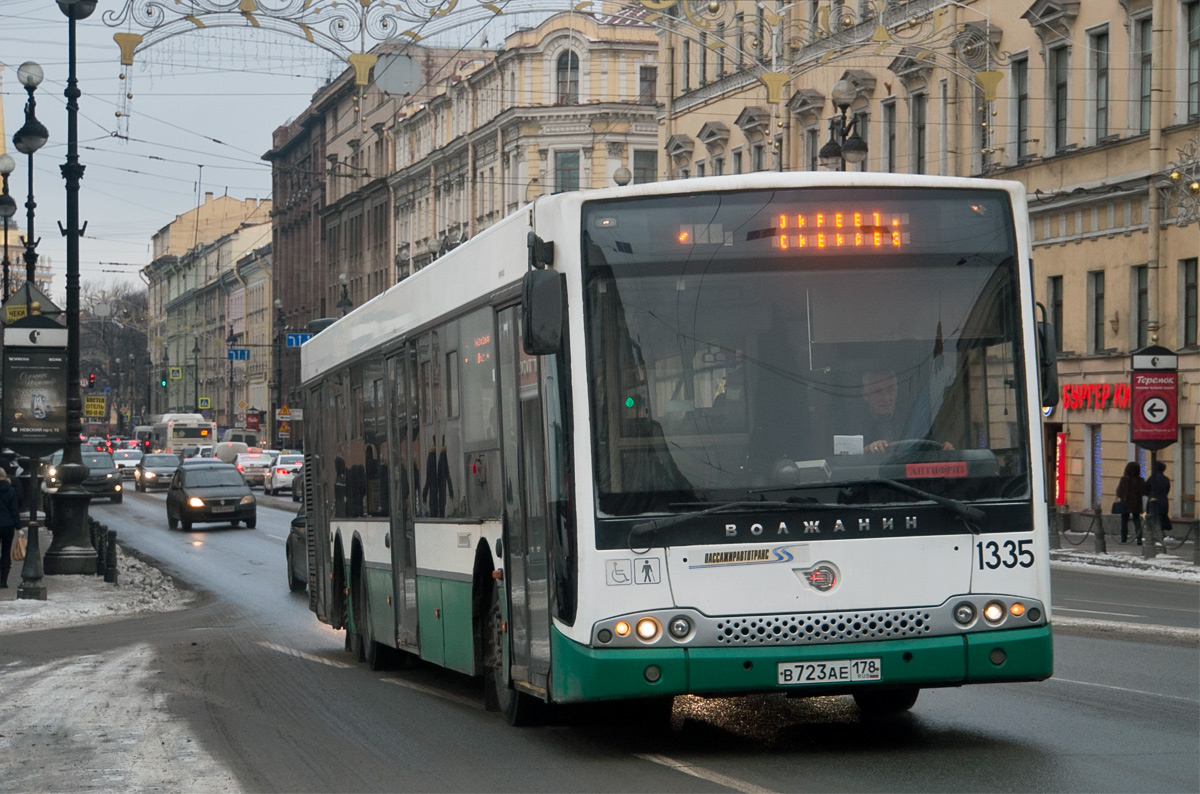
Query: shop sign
{"type": "Point", "coordinates": [1077, 396]}
{"type": "Point", "coordinates": [1060, 469]}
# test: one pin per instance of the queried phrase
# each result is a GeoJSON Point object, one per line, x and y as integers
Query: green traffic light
{"type": "Point", "coordinates": [629, 402]}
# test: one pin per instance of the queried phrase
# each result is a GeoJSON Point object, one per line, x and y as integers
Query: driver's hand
{"type": "Point", "coordinates": [878, 446]}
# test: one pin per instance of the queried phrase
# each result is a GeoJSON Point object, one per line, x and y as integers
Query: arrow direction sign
{"type": "Point", "coordinates": [239, 354]}
{"type": "Point", "coordinates": [1154, 389]}
{"type": "Point", "coordinates": [296, 340]}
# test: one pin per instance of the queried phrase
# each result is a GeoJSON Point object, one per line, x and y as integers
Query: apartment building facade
{"type": "Point", "coordinates": [1094, 107]}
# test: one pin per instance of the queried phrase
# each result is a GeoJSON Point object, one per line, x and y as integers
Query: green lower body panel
{"type": "Point", "coordinates": [581, 673]}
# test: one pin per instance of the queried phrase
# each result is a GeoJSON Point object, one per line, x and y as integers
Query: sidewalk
{"type": "Point", "coordinates": [1078, 546]}
{"type": "Point", "coordinates": [70, 599]}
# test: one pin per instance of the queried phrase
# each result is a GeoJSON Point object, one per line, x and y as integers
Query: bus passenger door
{"type": "Point", "coordinates": [402, 427]}
{"type": "Point", "coordinates": [526, 543]}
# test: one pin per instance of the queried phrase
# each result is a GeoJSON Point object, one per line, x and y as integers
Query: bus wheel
{"type": "Point", "coordinates": [879, 702]}
{"type": "Point", "coordinates": [374, 654]}
{"type": "Point", "coordinates": [519, 708]}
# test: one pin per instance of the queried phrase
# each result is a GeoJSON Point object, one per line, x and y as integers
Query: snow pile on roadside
{"type": "Point", "coordinates": [75, 599]}
{"type": "Point", "coordinates": [100, 722]}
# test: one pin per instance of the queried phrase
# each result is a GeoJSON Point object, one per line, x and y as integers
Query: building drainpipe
{"type": "Point", "coordinates": [1159, 22]}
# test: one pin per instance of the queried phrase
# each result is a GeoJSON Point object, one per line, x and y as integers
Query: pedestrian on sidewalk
{"type": "Point", "coordinates": [1130, 491]}
{"type": "Point", "coordinates": [1158, 489]}
{"type": "Point", "coordinates": [10, 519]}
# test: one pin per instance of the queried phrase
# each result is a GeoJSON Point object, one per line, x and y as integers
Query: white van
{"type": "Point", "coordinates": [227, 451]}
{"type": "Point", "coordinates": [247, 437]}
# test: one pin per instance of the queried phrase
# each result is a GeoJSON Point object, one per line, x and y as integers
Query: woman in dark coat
{"type": "Point", "coordinates": [1131, 489]}
{"type": "Point", "coordinates": [10, 519]}
{"type": "Point", "coordinates": [1158, 491]}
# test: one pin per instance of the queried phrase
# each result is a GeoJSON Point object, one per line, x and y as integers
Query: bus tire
{"type": "Point", "coordinates": [376, 655]}
{"type": "Point", "coordinates": [519, 709]}
{"type": "Point", "coordinates": [881, 702]}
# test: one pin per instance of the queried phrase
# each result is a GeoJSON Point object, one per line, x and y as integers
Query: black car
{"type": "Point", "coordinates": [209, 493]}
{"type": "Point", "coordinates": [297, 552]}
{"type": "Point", "coordinates": [103, 477]}
{"type": "Point", "coordinates": [154, 470]}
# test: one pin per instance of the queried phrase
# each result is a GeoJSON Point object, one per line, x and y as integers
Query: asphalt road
{"type": "Point", "coordinates": [268, 690]}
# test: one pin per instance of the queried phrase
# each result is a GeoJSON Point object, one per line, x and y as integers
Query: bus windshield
{"type": "Point", "coordinates": [804, 344]}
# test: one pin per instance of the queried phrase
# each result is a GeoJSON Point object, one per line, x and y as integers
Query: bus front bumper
{"type": "Point", "coordinates": [581, 673]}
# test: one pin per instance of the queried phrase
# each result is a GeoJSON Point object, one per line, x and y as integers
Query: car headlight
{"type": "Point", "coordinates": [248, 499]}
{"type": "Point", "coordinates": [195, 501]}
{"type": "Point", "coordinates": [53, 472]}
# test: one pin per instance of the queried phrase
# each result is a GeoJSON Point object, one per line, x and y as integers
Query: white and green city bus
{"type": "Point", "coordinates": [618, 446]}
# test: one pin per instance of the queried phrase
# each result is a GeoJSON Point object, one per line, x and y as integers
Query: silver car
{"type": "Point", "coordinates": [253, 466]}
{"type": "Point", "coordinates": [282, 472]}
{"type": "Point", "coordinates": [126, 460]}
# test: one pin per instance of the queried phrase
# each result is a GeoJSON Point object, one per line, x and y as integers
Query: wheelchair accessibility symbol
{"type": "Point", "coordinates": [619, 572]}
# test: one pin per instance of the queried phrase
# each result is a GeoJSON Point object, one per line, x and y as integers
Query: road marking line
{"type": "Point", "coordinates": [459, 699]}
{"type": "Point", "coordinates": [312, 657]}
{"type": "Point", "coordinates": [1099, 612]}
{"type": "Point", "coordinates": [1124, 689]}
{"type": "Point", "coordinates": [704, 774]}
{"type": "Point", "coordinates": [275, 537]}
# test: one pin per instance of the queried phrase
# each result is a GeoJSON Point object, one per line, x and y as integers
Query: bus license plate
{"type": "Point", "coordinates": [829, 672]}
{"type": "Point", "coordinates": [223, 509]}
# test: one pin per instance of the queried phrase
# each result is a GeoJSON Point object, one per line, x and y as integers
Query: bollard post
{"type": "Point", "coordinates": [1098, 525]}
{"type": "Point", "coordinates": [1054, 520]}
{"type": "Point", "coordinates": [1195, 534]}
{"type": "Point", "coordinates": [110, 556]}
{"type": "Point", "coordinates": [1151, 533]}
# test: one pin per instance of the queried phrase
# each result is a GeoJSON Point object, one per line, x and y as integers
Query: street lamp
{"type": "Point", "coordinates": [280, 330]}
{"type": "Point", "coordinates": [230, 341]}
{"type": "Point", "coordinates": [344, 302]}
{"type": "Point", "coordinates": [8, 208]}
{"type": "Point", "coordinates": [196, 374]}
{"type": "Point", "coordinates": [845, 145]}
{"type": "Point", "coordinates": [71, 551]}
{"type": "Point", "coordinates": [31, 137]}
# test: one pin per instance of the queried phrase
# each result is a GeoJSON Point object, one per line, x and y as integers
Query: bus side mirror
{"type": "Point", "coordinates": [1047, 353]}
{"type": "Point", "coordinates": [543, 306]}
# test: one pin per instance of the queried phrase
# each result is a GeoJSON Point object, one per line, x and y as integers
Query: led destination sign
{"type": "Point", "coordinates": [819, 229]}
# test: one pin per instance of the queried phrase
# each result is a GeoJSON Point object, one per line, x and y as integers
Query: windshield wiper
{"type": "Point", "coordinates": [648, 527]}
{"type": "Point", "coordinates": [959, 508]}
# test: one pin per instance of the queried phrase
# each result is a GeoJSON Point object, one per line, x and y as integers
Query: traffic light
{"type": "Point", "coordinates": [163, 381]}
{"type": "Point", "coordinates": [92, 380]}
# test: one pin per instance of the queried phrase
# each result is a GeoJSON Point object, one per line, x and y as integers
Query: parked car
{"type": "Point", "coordinates": [155, 470]}
{"type": "Point", "coordinates": [103, 478]}
{"type": "Point", "coordinates": [126, 460]}
{"type": "Point", "coordinates": [282, 473]}
{"type": "Point", "coordinates": [207, 493]}
{"type": "Point", "coordinates": [253, 466]}
{"type": "Point", "coordinates": [297, 552]}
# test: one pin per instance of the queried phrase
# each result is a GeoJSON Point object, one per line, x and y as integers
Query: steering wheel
{"type": "Point", "coordinates": [910, 445]}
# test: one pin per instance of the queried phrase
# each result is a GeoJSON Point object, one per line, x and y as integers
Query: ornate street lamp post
{"type": "Point", "coordinates": [280, 328]}
{"type": "Point", "coordinates": [845, 145]}
{"type": "Point", "coordinates": [196, 376]}
{"type": "Point", "coordinates": [8, 208]}
{"type": "Point", "coordinates": [230, 341]}
{"type": "Point", "coordinates": [31, 137]}
{"type": "Point", "coordinates": [344, 302]}
{"type": "Point", "coordinates": [72, 551]}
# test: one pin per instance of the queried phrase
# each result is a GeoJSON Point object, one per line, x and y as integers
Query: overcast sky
{"type": "Point", "coordinates": [203, 108]}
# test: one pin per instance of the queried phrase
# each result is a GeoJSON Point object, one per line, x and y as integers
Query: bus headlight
{"type": "Point", "coordinates": [622, 629]}
{"type": "Point", "coordinates": [680, 627]}
{"type": "Point", "coordinates": [994, 612]}
{"type": "Point", "coordinates": [648, 629]}
{"type": "Point", "coordinates": [964, 613]}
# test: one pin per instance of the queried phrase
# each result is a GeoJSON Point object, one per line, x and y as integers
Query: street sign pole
{"type": "Point", "coordinates": [1154, 419]}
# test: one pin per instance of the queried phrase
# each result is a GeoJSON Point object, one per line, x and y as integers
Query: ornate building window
{"type": "Point", "coordinates": [567, 79]}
